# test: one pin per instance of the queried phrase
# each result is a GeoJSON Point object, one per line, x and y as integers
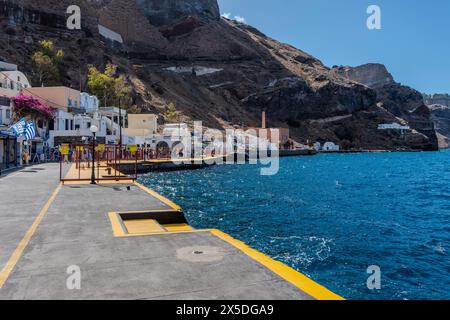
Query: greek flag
{"type": "Point", "coordinates": [30, 131]}
{"type": "Point", "coordinates": [18, 129]}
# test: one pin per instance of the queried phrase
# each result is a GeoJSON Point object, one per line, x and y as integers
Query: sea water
{"type": "Point", "coordinates": [332, 216]}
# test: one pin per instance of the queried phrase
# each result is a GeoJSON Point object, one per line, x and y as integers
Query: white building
{"type": "Point", "coordinates": [5, 112]}
{"type": "Point", "coordinates": [176, 130]}
{"type": "Point", "coordinates": [393, 126]}
{"type": "Point", "coordinates": [80, 130]}
{"type": "Point", "coordinates": [111, 116]}
{"type": "Point", "coordinates": [11, 83]}
{"type": "Point", "coordinates": [143, 131]}
{"type": "Point", "coordinates": [330, 146]}
{"type": "Point", "coordinates": [75, 112]}
{"type": "Point", "coordinates": [72, 120]}
{"type": "Point", "coordinates": [5, 66]}
{"type": "Point", "coordinates": [317, 146]}
{"type": "Point", "coordinates": [89, 103]}
{"type": "Point", "coordinates": [141, 125]}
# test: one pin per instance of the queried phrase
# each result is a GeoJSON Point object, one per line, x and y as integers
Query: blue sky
{"type": "Point", "coordinates": [414, 42]}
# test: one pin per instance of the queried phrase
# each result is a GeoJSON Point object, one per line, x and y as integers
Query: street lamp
{"type": "Point", "coordinates": [120, 124]}
{"type": "Point", "coordinates": [120, 129]}
{"type": "Point", "coordinates": [94, 130]}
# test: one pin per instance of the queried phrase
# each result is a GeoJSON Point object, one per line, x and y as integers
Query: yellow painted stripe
{"type": "Point", "coordinates": [171, 204]}
{"type": "Point", "coordinates": [299, 280]}
{"type": "Point", "coordinates": [17, 254]}
{"type": "Point", "coordinates": [292, 276]}
{"type": "Point", "coordinates": [116, 224]}
{"type": "Point", "coordinates": [147, 211]}
{"type": "Point", "coordinates": [178, 227]}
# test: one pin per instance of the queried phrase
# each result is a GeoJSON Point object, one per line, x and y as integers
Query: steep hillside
{"type": "Point", "coordinates": [441, 118]}
{"type": "Point", "coordinates": [439, 105]}
{"type": "Point", "coordinates": [439, 98]}
{"type": "Point", "coordinates": [216, 70]}
{"type": "Point", "coordinates": [402, 101]}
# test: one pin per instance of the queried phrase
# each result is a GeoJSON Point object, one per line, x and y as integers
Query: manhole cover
{"type": "Point", "coordinates": [200, 254]}
{"type": "Point", "coordinates": [29, 171]}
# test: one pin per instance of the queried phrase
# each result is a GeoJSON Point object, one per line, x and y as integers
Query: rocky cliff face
{"type": "Point", "coordinates": [162, 12]}
{"type": "Point", "coordinates": [442, 99]}
{"type": "Point", "coordinates": [372, 74]}
{"type": "Point", "coordinates": [402, 101]}
{"type": "Point", "coordinates": [219, 71]}
{"type": "Point", "coordinates": [441, 118]}
{"type": "Point", "coordinates": [439, 105]}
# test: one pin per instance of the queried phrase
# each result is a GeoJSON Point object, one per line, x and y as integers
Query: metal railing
{"type": "Point", "coordinates": [111, 163]}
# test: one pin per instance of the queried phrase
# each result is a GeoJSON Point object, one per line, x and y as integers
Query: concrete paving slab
{"type": "Point", "coordinates": [22, 195]}
{"type": "Point", "coordinates": [76, 230]}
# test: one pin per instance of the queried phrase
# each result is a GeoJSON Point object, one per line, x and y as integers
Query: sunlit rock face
{"type": "Point", "coordinates": [161, 12]}
{"type": "Point", "coordinates": [371, 74]}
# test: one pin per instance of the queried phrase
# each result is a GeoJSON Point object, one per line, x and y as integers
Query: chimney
{"type": "Point", "coordinates": [263, 120]}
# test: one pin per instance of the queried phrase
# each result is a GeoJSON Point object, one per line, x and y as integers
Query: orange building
{"type": "Point", "coordinates": [61, 98]}
{"type": "Point", "coordinates": [268, 133]}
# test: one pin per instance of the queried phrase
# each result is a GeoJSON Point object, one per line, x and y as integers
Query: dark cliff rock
{"type": "Point", "coordinates": [402, 101]}
{"type": "Point", "coordinates": [438, 99]}
{"type": "Point", "coordinates": [439, 105]}
{"type": "Point", "coordinates": [371, 74]}
{"type": "Point", "coordinates": [219, 71]}
{"type": "Point", "coordinates": [29, 24]}
{"type": "Point", "coordinates": [441, 118]}
{"type": "Point", "coordinates": [163, 12]}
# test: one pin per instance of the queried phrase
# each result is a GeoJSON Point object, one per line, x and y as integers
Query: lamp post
{"type": "Point", "coordinates": [94, 130]}
{"type": "Point", "coordinates": [120, 125]}
{"type": "Point", "coordinates": [120, 129]}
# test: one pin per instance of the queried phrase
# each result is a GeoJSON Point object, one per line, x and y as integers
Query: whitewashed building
{"type": "Point", "coordinates": [317, 146]}
{"type": "Point", "coordinates": [393, 126]}
{"type": "Point", "coordinates": [73, 116]}
{"type": "Point", "coordinates": [112, 115]}
{"type": "Point", "coordinates": [11, 83]}
{"type": "Point", "coordinates": [88, 103]}
{"type": "Point", "coordinates": [330, 146]}
{"type": "Point", "coordinates": [74, 127]}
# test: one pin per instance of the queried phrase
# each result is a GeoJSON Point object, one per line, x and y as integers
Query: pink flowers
{"type": "Point", "coordinates": [26, 105]}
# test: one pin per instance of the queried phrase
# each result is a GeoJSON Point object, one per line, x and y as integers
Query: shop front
{"type": "Point", "coordinates": [9, 151]}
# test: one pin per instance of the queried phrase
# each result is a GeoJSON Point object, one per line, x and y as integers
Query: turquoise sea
{"type": "Point", "coordinates": [332, 216]}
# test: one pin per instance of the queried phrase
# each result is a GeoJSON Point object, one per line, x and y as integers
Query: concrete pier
{"type": "Point", "coordinates": [46, 229]}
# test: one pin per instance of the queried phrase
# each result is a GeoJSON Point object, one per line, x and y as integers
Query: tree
{"type": "Point", "coordinates": [109, 87]}
{"type": "Point", "coordinates": [134, 109]}
{"type": "Point", "coordinates": [123, 92]}
{"type": "Point", "coordinates": [171, 114]}
{"type": "Point", "coordinates": [46, 63]}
